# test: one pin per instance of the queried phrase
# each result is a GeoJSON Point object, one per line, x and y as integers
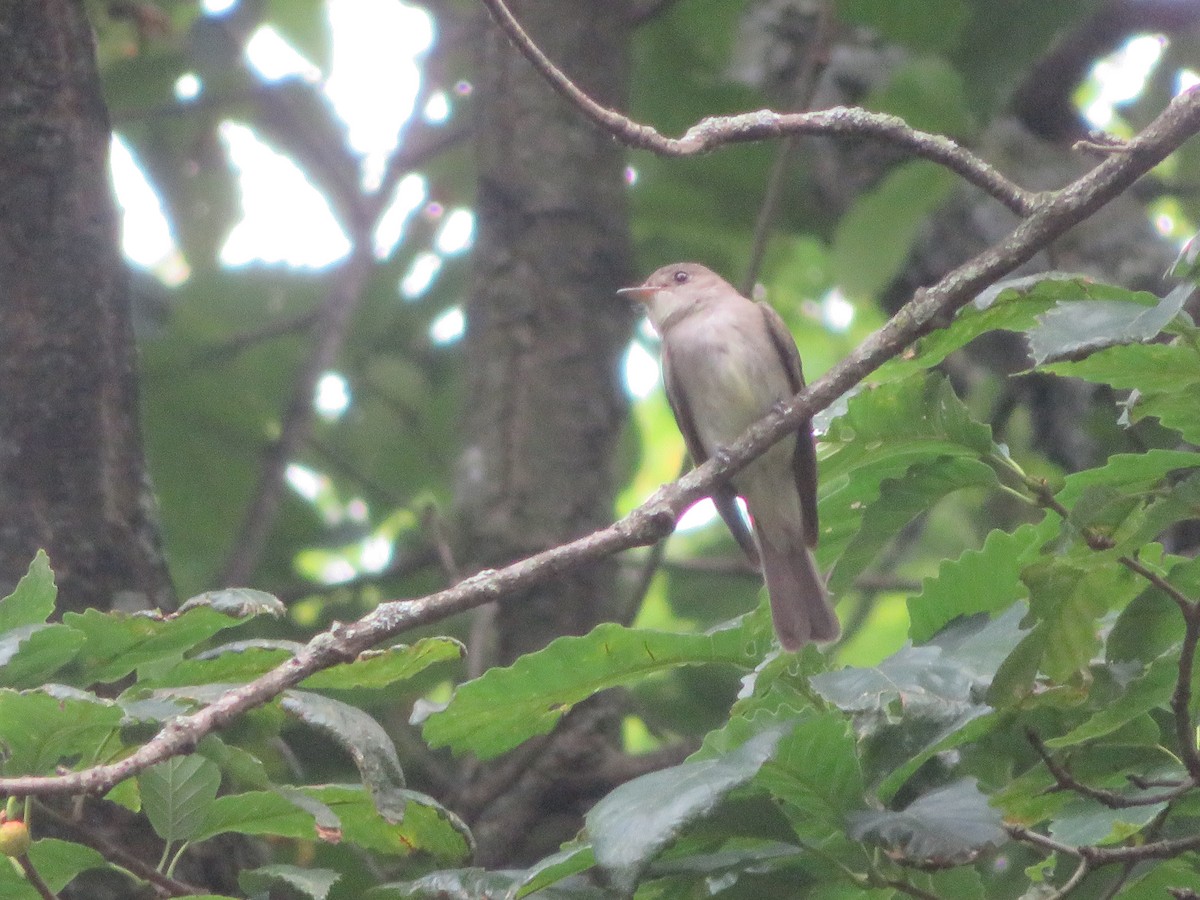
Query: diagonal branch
{"type": "Point", "coordinates": [717, 131]}
{"type": "Point", "coordinates": [1055, 214]}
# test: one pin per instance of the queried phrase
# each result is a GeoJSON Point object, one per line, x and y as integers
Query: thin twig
{"type": "Point", "coordinates": [34, 878]}
{"type": "Point", "coordinates": [330, 326]}
{"type": "Point", "coordinates": [114, 853]}
{"type": "Point", "coordinates": [1181, 697]}
{"type": "Point", "coordinates": [1080, 873]}
{"type": "Point", "coordinates": [717, 131]}
{"type": "Point", "coordinates": [1113, 800]}
{"type": "Point", "coordinates": [656, 517]}
{"type": "Point", "coordinates": [815, 58]}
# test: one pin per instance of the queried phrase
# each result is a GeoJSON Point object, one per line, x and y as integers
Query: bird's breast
{"type": "Point", "coordinates": [732, 377]}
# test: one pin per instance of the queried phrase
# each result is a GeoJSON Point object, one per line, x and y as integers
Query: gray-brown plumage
{"type": "Point", "coordinates": [726, 362]}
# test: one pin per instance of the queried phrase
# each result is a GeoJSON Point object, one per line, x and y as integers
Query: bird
{"type": "Point", "coordinates": [727, 361]}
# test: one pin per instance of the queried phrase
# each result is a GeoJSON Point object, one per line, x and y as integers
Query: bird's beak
{"type": "Point", "coordinates": [641, 293]}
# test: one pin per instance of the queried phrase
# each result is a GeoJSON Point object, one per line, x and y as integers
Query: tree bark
{"type": "Point", "coordinates": [544, 328]}
{"type": "Point", "coordinates": [72, 476]}
{"type": "Point", "coordinates": [544, 335]}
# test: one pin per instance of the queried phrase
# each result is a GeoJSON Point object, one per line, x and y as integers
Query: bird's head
{"type": "Point", "coordinates": [674, 290]}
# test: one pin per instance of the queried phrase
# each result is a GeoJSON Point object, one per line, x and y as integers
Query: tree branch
{"type": "Point", "coordinates": [1054, 214]}
{"type": "Point", "coordinates": [717, 131]}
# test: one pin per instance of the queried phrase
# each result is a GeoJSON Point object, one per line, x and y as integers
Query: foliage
{"type": "Point", "coordinates": [1065, 629]}
{"type": "Point", "coordinates": [1017, 698]}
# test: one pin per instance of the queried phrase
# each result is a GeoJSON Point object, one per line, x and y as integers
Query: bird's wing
{"type": "Point", "coordinates": [723, 495]}
{"type": "Point", "coordinates": [804, 460]}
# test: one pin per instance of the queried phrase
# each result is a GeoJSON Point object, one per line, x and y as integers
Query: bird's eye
{"type": "Point", "coordinates": [680, 277]}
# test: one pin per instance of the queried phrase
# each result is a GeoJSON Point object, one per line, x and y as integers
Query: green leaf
{"type": "Point", "coordinates": [343, 813]}
{"type": "Point", "coordinates": [118, 643]}
{"type": "Point", "coordinates": [874, 238]}
{"type": "Point", "coordinates": [917, 24]}
{"type": "Point", "coordinates": [237, 603]}
{"type": "Point", "coordinates": [32, 600]}
{"type": "Point", "coordinates": [30, 654]}
{"type": "Point", "coordinates": [177, 795]}
{"type": "Point", "coordinates": [884, 431]}
{"type": "Point", "coordinates": [315, 883]}
{"type": "Point", "coordinates": [815, 773]}
{"type": "Point", "coordinates": [925, 700]}
{"type": "Point", "coordinates": [506, 706]}
{"type": "Point", "coordinates": [1151, 690]}
{"type": "Point", "coordinates": [927, 93]}
{"type": "Point", "coordinates": [58, 862]}
{"type": "Point", "coordinates": [305, 25]}
{"type": "Point", "coordinates": [946, 825]}
{"type": "Point", "coordinates": [40, 731]}
{"type": "Point", "coordinates": [1010, 305]}
{"type": "Point", "coordinates": [1085, 821]}
{"type": "Point", "coordinates": [630, 826]}
{"type": "Point", "coordinates": [377, 669]}
{"type": "Point", "coordinates": [363, 738]}
{"type": "Point", "coordinates": [572, 859]}
{"type": "Point", "coordinates": [1067, 597]}
{"type": "Point", "coordinates": [231, 663]}
{"type": "Point", "coordinates": [1074, 328]}
{"type": "Point", "coordinates": [1149, 368]}
{"type": "Point", "coordinates": [985, 580]}
{"type": "Point", "coordinates": [900, 501]}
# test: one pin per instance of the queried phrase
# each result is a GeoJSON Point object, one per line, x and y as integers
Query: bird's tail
{"type": "Point", "coordinates": [800, 606]}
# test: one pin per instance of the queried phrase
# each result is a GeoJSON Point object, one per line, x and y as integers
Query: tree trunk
{"type": "Point", "coordinates": [72, 476]}
{"type": "Point", "coordinates": [544, 336]}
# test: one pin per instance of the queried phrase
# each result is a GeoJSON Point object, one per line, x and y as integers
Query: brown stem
{"type": "Point", "coordinates": [717, 131]}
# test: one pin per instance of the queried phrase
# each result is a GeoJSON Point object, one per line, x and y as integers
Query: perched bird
{"type": "Point", "coordinates": [726, 362]}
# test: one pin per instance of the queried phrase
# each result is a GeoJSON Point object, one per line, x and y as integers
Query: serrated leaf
{"type": "Point", "coordinates": [315, 883]}
{"type": "Point", "coordinates": [32, 600]}
{"type": "Point", "coordinates": [985, 580]}
{"type": "Point", "coordinates": [1147, 367]}
{"type": "Point", "coordinates": [925, 700]}
{"type": "Point", "coordinates": [630, 826]}
{"type": "Point", "coordinates": [506, 706]}
{"type": "Point", "coordinates": [1010, 305]}
{"type": "Point", "coordinates": [118, 643]}
{"type": "Point", "coordinates": [177, 795]}
{"type": "Point", "coordinates": [1074, 328]}
{"type": "Point", "coordinates": [232, 663]}
{"type": "Point", "coordinates": [884, 431]}
{"type": "Point", "coordinates": [1149, 691]}
{"type": "Point", "coordinates": [378, 669]}
{"type": "Point", "coordinates": [1068, 597]}
{"type": "Point", "coordinates": [900, 501]}
{"type": "Point", "coordinates": [342, 813]}
{"type": "Point", "coordinates": [40, 730]}
{"type": "Point", "coordinates": [946, 825]}
{"type": "Point", "coordinates": [815, 773]}
{"type": "Point", "coordinates": [363, 738]}
{"type": "Point", "coordinates": [237, 603]}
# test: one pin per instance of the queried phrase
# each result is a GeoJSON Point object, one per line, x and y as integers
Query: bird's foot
{"type": "Point", "coordinates": [722, 455]}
